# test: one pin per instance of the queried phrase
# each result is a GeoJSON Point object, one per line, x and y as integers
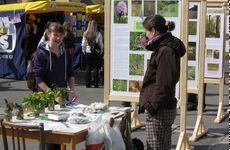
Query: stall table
{"type": "Point", "coordinates": [71, 135]}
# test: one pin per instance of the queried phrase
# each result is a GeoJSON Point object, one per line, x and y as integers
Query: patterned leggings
{"type": "Point", "coordinates": [159, 129]}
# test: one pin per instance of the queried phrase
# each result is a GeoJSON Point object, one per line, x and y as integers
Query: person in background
{"type": "Point", "coordinates": [157, 95]}
{"type": "Point", "coordinates": [101, 68]}
{"type": "Point", "coordinates": [92, 47]}
{"type": "Point", "coordinates": [69, 39]}
{"type": "Point", "coordinates": [59, 71]}
{"type": "Point", "coordinates": [31, 20]}
{"type": "Point", "coordinates": [29, 43]}
{"type": "Point", "coordinates": [44, 36]}
{"type": "Point", "coordinates": [193, 100]}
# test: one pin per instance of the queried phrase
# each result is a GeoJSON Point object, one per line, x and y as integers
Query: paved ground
{"type": "Point", "coordinates": [216, 139]}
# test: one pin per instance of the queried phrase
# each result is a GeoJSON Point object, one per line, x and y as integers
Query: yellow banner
{"type": "Point", "coordinates": [45, 6]}
{"type": "Point", "coordinates": [94, 9]}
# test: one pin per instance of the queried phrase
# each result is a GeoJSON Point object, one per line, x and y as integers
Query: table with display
{"type": "Point", "coordinates": [66, 134]}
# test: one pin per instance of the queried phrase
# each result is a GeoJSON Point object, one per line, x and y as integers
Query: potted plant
{"type": "Point", "coordinates": [50, 97]}
{"type": "Point", "coordinates": [19, 111]}
{"type": "Point", "coordinates": [62, 95]}
{"type": "Point", "coordinates": [35, 102]}
{"type": "Point", "coordinates": [8, 110]}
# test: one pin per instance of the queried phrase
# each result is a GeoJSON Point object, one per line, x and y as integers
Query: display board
{"type": "Point", "coordinates": [227, 40]}
{"type": "Point", "coordinates": [128, 57]}
{"type": "Point", "coordinates": [214, 43]}
{"type": "Point", "coordinates": [193, 44]}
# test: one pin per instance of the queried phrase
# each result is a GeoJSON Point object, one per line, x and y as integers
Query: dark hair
{"type": "Point", "coordinates": [158, 23]}
{"type": "Point", "coordinates": [47, 25]}
{"type": "Point", "coordinates": [55, 27]}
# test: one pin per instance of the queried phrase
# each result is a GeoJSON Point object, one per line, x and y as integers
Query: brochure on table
{"type": "Point", "coordinates": [128, 57]}
{"type": "Point", "coordinates": [214, 43]}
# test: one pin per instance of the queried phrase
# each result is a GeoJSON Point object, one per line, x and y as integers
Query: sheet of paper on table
{"type": "Point", "coordinates": [70, 127]}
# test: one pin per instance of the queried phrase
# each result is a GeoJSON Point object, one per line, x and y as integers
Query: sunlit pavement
{"type": "Point", "coordinates": [216, 139]}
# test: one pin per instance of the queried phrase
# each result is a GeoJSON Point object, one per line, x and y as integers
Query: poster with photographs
{"type": "Point", "coordinates": [193, 44]}
{"type": "Point", "coordinates": [129, 58]}
{"type": "Point", "coordinates": [215, 43]}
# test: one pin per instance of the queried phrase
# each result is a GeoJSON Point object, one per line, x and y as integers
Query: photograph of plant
{"type": "Point", "coordinates": [138, 41]}
{"type": "Point", "coordinates": [193, 11]}
{"type": "Point", "coordinates": [168, 8]}
{"type": "Point", "coordinates": [213, 26]}
{"type": "Point", "coordinates": [136, 64]}
{"type": "Point", "coordinates": [191, 72]}
{"type": "Point", "coordinates": [135, 86]}
{"type": "Point", "coordinates": [119, 85]}
{"type": "Point", "coordinates": [216, 54]}
{"type": "Point", "coordinates": [149, 7]}
{"type": "Point", "coordinates": [192, 28]}
{"type": "Point", "coordinates": [209, 53]}
{"type": "Point", "coordinates": [138, 26]}
{"type": "Point", "coordinates": [213, 67]}
{"type": "Point", "coordinates": [121, 11]}
{"type": "Point", "coordinates": [192, 51]}
{"type": "Point", "coordinates": [136, 7]}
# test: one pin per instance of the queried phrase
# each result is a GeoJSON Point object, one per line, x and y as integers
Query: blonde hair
{"type": "Point", "coordinates": [67, 26]}
{"type": "Point", "coordinates": [91, 32]}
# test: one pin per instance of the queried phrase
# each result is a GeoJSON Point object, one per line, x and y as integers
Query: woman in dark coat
{"type": "Point", "coordinates": [157, 95]}
{"type": "Point", "coordinates": [29, 43]}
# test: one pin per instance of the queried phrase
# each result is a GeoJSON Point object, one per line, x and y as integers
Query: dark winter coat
{"type": "Point", "coordinates": [29, 45]}
{"type": "Point", "coordinates": [69, 41]}
{"type": "Point", "coordinates": [162, 74]}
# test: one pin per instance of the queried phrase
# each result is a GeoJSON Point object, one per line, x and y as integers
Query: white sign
{"type": "Point", "coordinates": [215, 43]}
{"type": "Point", "coordinates": [193, 44]}
{"type": "Point", "coordinates": [129, 58]}
{"type": "Point", "coordinates": [8, 39]}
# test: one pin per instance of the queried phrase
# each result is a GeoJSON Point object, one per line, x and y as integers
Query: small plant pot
{"type": "Point", "coordinates": [62, 103]}
{"type": "Point", "coordinates": [51, 106]}
{"type": "Point", "coordinates": [36, 114]}
{"type": "Point", "coordinates": [19, 115]}
{"type": "Point", "coordinates": [8, 117]}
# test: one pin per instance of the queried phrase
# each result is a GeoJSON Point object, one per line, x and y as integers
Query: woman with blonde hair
{"type": "Point", "coordinates": [92, 47]}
